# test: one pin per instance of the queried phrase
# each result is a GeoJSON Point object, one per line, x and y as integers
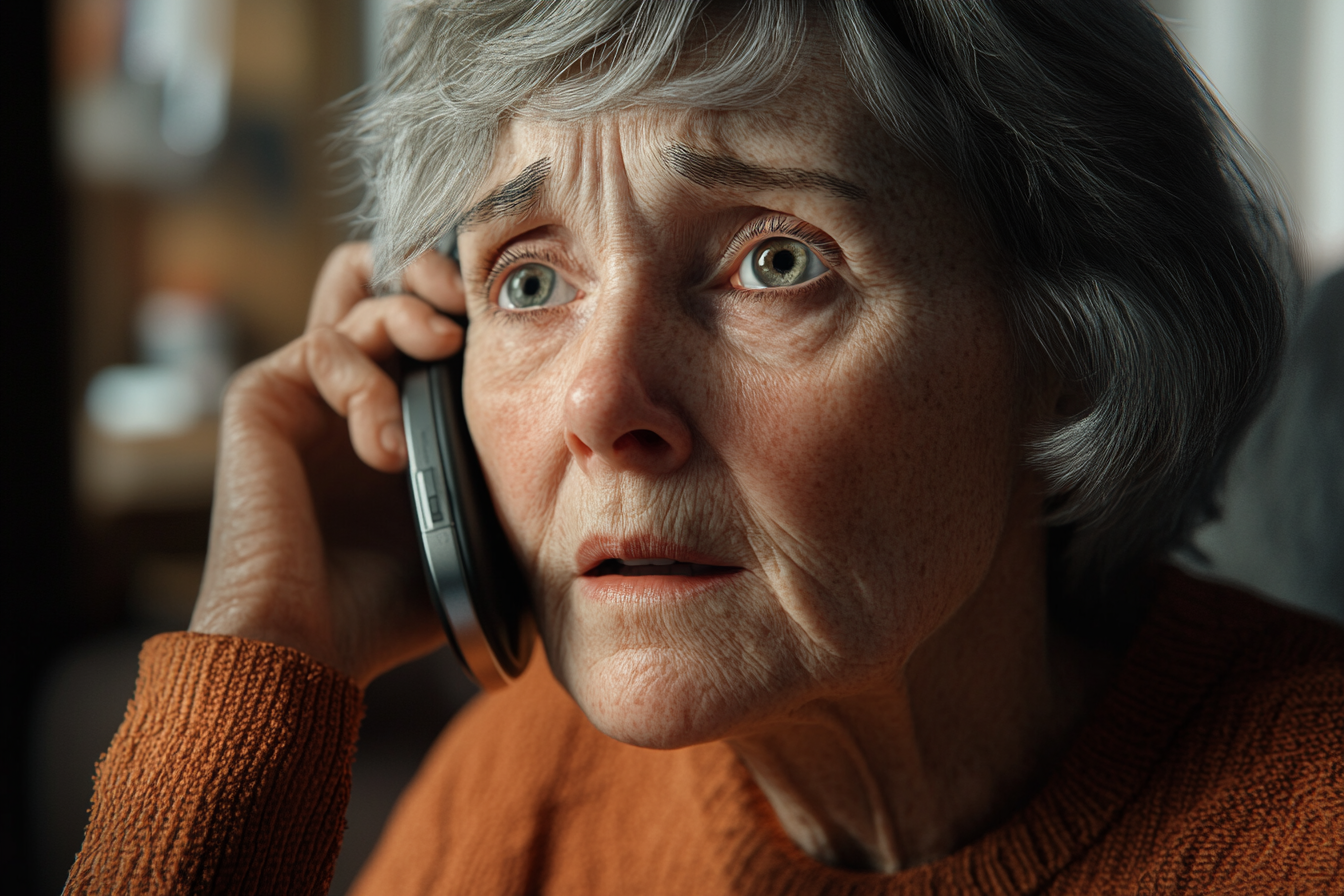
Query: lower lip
{"type": "Point", "coordinates": [652, 589]}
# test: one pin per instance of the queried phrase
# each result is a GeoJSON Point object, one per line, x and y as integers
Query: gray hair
{"type": "Point", "coordinates": [1150, 268]}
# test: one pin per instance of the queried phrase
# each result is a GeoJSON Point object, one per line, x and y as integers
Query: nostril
{"type": "Point", "coordinates": [646, 439]}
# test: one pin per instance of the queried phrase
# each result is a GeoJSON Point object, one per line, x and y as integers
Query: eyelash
{"type": "Point", "coordinates": [778, 225]}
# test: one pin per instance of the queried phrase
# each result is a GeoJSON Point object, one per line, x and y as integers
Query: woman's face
{"type": "Point", "coordinates": [752, 420]}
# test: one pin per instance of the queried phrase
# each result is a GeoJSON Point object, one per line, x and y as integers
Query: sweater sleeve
{"type": "Point", "coordinates": [229, 774]}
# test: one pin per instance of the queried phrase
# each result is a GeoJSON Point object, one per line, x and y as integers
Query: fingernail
{"type": "Point", "coordinates": [391, 438]}
{"type": "Point", "coordinates": [441, 325]}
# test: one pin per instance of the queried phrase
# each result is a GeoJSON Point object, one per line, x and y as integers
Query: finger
{"type": "Point", "coordinates": [343, 282]}
{"type": "Point", "coordinates": [362, 392]}
{"type": "Point", "coordinates": [437, 280]}
{"type": "Point", "coordinates": [380, 326]}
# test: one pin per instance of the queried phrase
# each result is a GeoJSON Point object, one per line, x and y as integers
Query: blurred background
{"type": "Point", "coordinates": [171, 197]}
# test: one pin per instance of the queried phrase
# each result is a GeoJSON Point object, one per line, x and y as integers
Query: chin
{"type": "Point", "coordinates": [661, 698]}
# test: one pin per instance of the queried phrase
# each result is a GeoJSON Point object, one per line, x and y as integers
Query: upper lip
{"type": "Point", "coordinates": [597, 548]}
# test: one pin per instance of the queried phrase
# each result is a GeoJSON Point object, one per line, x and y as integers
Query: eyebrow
{"type": "Point", "coordinates": [727, 171]}
{"type": "Point", "coordinates": [513, 198]}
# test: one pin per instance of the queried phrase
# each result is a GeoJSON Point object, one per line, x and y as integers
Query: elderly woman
{"type": "Point", "coordinates": [841, 372]}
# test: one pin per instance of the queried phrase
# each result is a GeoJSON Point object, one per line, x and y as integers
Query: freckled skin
{"type": "Point", "coordinates": [853, 450]}
{"type": "Point", "coordinates": [853, 446]}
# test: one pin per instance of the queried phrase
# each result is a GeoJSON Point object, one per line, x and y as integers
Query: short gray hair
{"type": "Point", "coordinates": [1150, 264]}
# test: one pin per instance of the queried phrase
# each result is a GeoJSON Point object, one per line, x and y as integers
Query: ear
{"type": "Point", "coordinates": [1071, 400]}
{"type": "Point", "coordinates": [1056, 400]}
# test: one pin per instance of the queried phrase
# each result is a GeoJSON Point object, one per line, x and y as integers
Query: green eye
{"type": "Point", "coordinates": [778, 262]}
{"type": "Point", "coordinates": [531, 286]}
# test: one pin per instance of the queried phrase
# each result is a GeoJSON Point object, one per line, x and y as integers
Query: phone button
{"type": "Point", "coordinates": [432, 515]}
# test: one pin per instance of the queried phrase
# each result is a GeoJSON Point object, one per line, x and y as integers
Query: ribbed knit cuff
{"type": "Point", "coordinates": [230, 773]}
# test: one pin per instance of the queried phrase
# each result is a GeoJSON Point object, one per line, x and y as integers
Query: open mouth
{"type": "Point", "coordinates": [656, 566]}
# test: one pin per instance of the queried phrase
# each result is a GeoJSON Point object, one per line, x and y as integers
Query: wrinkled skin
{"type": "Point", "coordinates": [846, 452]}
{"type": "Point", "coordinates": [850, 444]}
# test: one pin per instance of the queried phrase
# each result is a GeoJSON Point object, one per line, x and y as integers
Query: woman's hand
{"type": "Point", "coordinates": [312, 535]}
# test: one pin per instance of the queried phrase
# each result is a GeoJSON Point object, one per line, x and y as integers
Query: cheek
{"type": "Point", "coordinates": [513, 409]}
{"type": "Point", "coordinates": [880, 480]}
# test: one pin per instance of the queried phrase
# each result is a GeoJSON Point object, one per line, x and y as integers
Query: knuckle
{"type": "Point", "coordinates": [244, 381]}
{"type": "Point", "coordinates": [404, 309]}
{"type": "Point", "coordinates": [318, 338]}
{"type": "Point", "coordinates": [323, 347]}
{"type": "Point", "coordinates": [371, 399]}
{"type": "Point", "coordinates": [372, 306]}
{"type": "Point", "coordinates": [359, 317]}
{"type": "Point", "coordinates": [249, 387]}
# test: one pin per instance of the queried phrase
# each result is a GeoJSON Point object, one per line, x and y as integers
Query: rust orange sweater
{"type": "Point", "coordinates": [1214, 765]}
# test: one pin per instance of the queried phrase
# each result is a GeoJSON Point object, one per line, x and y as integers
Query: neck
{"type": "Point", "coordinates": [943, 749]}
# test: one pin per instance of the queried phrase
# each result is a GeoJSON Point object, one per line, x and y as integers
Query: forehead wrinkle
{"type": "Point", "coordinates": [602, 164]}
{"type": "Point", "coordinates": [709, 170]}
{"type": "Point", "coordinates": [593, 185]}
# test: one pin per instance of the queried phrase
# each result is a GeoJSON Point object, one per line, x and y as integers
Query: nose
{"type": "Point", "coordinates": [612, 423]}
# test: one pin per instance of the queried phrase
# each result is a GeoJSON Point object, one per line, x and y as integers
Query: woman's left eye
{"type": "Point", "coordinates": [777, 262]}
{"type": "Point", "coordinates": [534, 285]}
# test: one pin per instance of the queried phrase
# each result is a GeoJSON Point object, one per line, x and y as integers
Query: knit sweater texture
{"type": "Point", "coordinates": [1215, 764]}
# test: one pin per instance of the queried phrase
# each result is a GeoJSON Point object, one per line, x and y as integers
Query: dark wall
{"type": "Point", "coordinates": [36, 505]}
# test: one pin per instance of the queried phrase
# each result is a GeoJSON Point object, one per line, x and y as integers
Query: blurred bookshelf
{"type": "Point", "coordinates": [201, 197]}
{"type": "Point", "coordinates": [235, 216]}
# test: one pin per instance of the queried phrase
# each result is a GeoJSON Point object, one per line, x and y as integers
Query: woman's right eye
{"type": "Point", "coordinates": [534, 285]}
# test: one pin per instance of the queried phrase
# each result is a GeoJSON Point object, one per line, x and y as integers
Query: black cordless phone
{"type": "Point", "coordinates": [474, 578]}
